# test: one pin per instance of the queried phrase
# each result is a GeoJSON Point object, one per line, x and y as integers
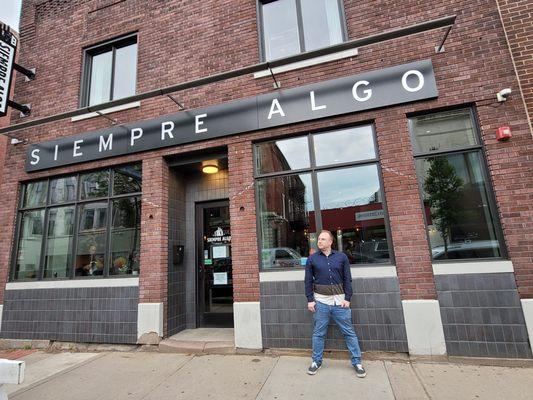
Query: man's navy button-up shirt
{"type": "Point", "coordinates": [328, 270]}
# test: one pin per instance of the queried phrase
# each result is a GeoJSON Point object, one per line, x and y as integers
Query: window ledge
{"type": "Point", "coordinates": [387, 271]}
{"type": "Point", "coordinates": [308, 63]}
{"type": "Point", "coordinates": [473, 267]}
{"type": "Point", "coordinates": [73, 283]}
{"type": "Point", "coordinates": [106, 111]}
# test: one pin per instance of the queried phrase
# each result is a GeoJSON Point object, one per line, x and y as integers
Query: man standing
{"type": "Point", "coordinates": [328, 288]}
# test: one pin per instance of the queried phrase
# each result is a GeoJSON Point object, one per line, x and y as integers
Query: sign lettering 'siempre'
{"type": "Point", "coordinates": [8, 45]}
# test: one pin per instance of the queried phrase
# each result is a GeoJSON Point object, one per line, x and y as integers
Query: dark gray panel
{"type": "Point", "coordinates": [377, 315]}
{"type": "Point", "coordinates": [102, 315]}
{"type": "Point", "coordinates": [482, 315]}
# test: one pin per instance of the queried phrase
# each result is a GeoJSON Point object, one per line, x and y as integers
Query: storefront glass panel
{"type": "Point", "coordinates": [127, 179]}
{"type": "Point", "coordinates": [460, 221]}
{"type": "Point", "coordinates": [443, 131]}
{"type": "Point", "coordinates": [287, 220]}
{"type": "Point", "coordinates": [29, 246]}
{"type": "Point", "coordinates": [94, 185]}
{"type": "Point", "coordinates": [351, 208]}
{"type": "Point", "coordinates": [63, 190]}
{"type": "Point", "coordinates": [460, 214]}
{"type": "Point", "coordinates": [125, 236]}
{"type": "Point", "coordinates": [347, 145]}
{"type": "Point", "coordinates": [35, 194]}
{"type": "Point", "coordinates": [59, 242]}
{"type": "Point", "coordinates": [283, 155]}
{"type": "Point", "coordinates": [90, 255]}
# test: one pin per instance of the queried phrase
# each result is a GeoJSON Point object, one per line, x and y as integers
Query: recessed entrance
{"type": "Point", "coordinates": [215, 282]}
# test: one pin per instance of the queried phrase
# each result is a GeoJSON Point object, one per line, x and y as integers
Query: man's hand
{"type": "Point", "coordinates": [311, 306]}
{"type": "Point", "coordinates": [345, 304]}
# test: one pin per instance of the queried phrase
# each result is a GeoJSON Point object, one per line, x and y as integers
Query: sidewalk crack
{"type": "Point", "coordinates": [268, 377]}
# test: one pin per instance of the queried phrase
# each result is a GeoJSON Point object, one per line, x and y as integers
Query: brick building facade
{"type": "Point", "coordinates": [474, 305]}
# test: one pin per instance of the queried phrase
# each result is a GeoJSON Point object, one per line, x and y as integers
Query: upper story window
{"type": "Point", "coordinates": [290, 27]}
{"type": "Point", "coordinates": [110, 71]}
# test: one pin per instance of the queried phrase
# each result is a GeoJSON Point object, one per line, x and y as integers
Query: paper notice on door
{"type": "Point", "coordinates": [220, 278]}
{"type": "Point", "coordinates": [220, 251]}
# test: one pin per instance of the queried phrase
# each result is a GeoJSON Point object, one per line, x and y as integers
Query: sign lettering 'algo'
{"type": "Point", "coordinates": [390, 86]}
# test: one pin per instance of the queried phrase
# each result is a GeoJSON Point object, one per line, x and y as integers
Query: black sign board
{"type": "Point", "coordinates": [8, 46]}
{"type": "Point", "coordinates": [400, 84]}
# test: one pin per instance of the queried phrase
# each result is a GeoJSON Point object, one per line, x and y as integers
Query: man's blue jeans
{"type": "Point", "coordinates": [343, 318]}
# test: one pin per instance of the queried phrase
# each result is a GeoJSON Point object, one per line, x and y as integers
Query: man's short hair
{"type": "Point", "coordinates": [329, 233]}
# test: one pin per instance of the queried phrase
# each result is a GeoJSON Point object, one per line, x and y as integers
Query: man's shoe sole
{"type": "Point", "coordinates": [313, 373]}
{"type": "Point", "coordinates": [360, 375]}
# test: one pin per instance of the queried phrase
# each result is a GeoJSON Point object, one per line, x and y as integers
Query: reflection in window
{"type": "Point", "coordinates": [321, 23]}
{"type": "Point", "coordinates": [447, 130]}
{"type": "Point", "coordinates": [35, 194]}
{"type": "Point", "coordinates": [290, 27]}
{"type": "Point", "coordinates": [346, 145]}
{"type": "Point", "coordinates": [280, 29]}
{"type": "Point", "coordinates": [94, 184]}
{"type": "Point", "coordinates": [83, 249]}
{"type": "Point", "coordinates": [282, 155]}
{"type": "Point", "coordinates": [59, 242]}
{"type": "Point", "coordinates": [90, 257]}
{"type": "Point", "coordinates": [125, 236]}
{"type": "Point", "coordinates": [29, 245]}
{"type": "Point", "coordinates": [62, 190]}
{"type": "Point", "coordinates": [460, 221]}
{"type": "Point", "coordinates": [127, 179]}
{"type": "Point", "coordinates": [111, 71]}
{"type": "Point", "coordinates": [287, 220]}
{"type": "Point", "coordinates": [350, 203]}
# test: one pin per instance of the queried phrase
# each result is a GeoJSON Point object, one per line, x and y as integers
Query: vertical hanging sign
{"type": "Point", "coordinates": [8, 45]}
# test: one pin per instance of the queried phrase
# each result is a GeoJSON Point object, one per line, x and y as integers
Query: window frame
{"type": "Point", "coordinates": [313, 171]}
{"type": "Point", "coordinates": [76, 203]}
{"type": "Point", "coordinates": [299, 19]}
{"type": "Point", "coordinates": [101, 48]}
{"type": "Point", "coordinates": [478, 148]}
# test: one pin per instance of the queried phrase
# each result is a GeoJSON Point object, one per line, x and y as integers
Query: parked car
{"type": "Point", "coordinates": [278, 257]}
{"type": "Point", "coordinates": [469, 249]}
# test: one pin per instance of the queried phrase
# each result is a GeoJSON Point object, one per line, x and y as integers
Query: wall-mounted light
{"type": "Point", "coordinates": [210, 166]}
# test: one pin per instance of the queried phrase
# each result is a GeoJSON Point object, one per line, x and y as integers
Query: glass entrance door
{"type": "Point", "coordinates": [215, 283]}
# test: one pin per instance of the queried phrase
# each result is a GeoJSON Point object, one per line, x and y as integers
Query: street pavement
{"type": "Point", "coordinates": [158, 376]}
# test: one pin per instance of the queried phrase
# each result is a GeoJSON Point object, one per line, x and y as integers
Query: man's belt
{"type": "Point", "coordinates": [328, 290]}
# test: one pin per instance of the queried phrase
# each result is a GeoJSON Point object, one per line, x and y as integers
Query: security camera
{"type": "Point", "coordinates": [15, 141]}
{"type": "Point", "coordinates": [503, 94]}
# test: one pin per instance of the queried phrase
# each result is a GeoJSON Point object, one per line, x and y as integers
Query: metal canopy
{"type": "Point", "coordinates": [269, 65]}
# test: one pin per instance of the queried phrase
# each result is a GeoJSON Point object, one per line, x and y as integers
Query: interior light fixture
{"type": "Point", "coordinates": [210, 166]}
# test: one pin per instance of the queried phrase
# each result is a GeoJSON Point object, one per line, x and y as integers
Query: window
{"type": "Point", "coordinates": [294, 26]}
{"type": "Point", "coordinates": [320, 181]}
{"type": "Point", "coordinates": [459, 210]}
{"type": "Point", "coordinates": [110, 71]}
{"type": "Point", "coordinates": [89, 232]}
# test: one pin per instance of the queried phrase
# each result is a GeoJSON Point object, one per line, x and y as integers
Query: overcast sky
{"type": "Point", "coordinates": [10, 13]}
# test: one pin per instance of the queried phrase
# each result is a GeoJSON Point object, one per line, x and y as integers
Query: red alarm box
{"type": "Point", "coordinates": [503, 133]}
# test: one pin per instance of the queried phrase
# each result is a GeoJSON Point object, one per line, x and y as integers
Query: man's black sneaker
{"type": "Point", "coordinates": [314, 368]}
{"type": "Point", "coordinates": [359, 371]}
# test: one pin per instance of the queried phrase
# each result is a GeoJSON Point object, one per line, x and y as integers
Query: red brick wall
{"type": "Point", "coordinates": [184, 40]}
{"type": "Point", "coordinates": [517, 19]}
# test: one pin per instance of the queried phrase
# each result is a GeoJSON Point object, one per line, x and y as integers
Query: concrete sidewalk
{"type": "Point", "coordinates": [157, 376]}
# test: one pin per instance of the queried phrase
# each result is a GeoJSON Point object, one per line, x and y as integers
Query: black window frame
{"type": "Point", "coordinates": [76, 203]}
{"type": "Point", "coordinates": [479, 148]}
{"type": "Point", "coordinates": [313, 171]}
{"type": "Point", "coordinates": [301, 41]}
{"type": "Point", "coordinates": [100, 48]}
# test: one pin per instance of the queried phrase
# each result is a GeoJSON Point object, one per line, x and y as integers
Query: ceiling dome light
{"type": "Point", "coordinates": [210, 166]}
